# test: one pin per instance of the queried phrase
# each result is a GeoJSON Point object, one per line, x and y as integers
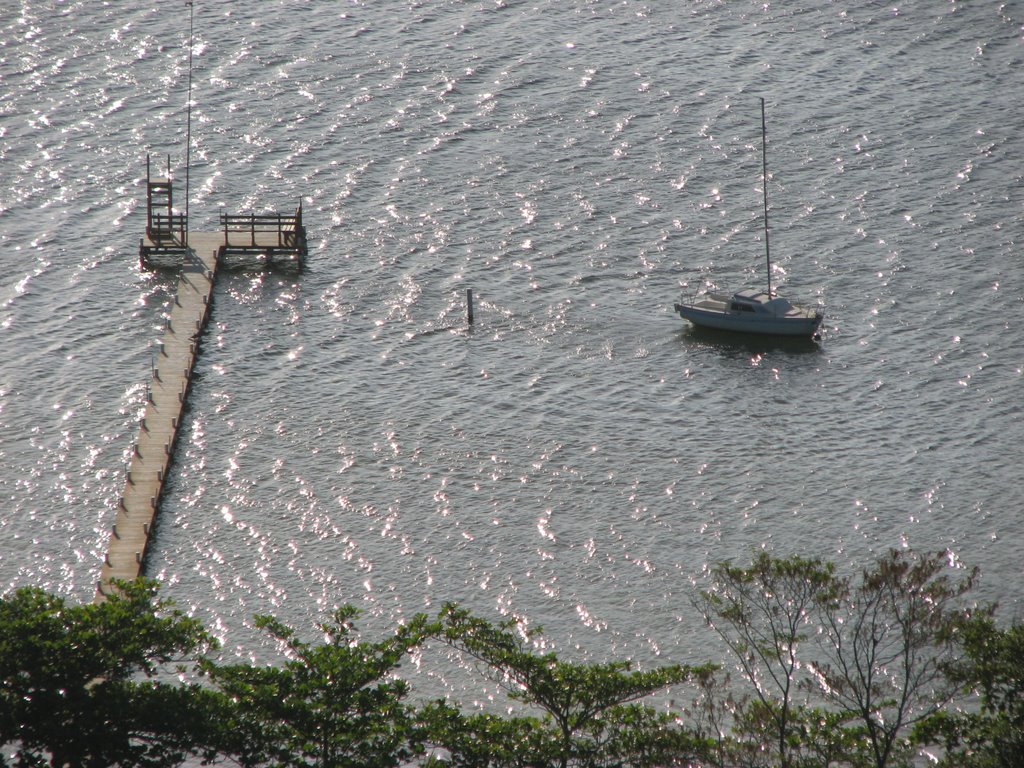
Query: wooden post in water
{"type": "Point", "coordinates": [469, 304]}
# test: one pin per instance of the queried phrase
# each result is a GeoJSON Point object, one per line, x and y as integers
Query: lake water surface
{"type": "Point", "coordinates": [579, 455]}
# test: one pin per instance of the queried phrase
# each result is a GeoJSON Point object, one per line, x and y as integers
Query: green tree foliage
{"type": "Point", "coordinates": [329, 705]}
{"type": "Point", "coordinates": [484, 740]}
{"type": "Point", "coordinates": [77, 683]}
{"type": "Point", "coordinates": [765, 613]}
{"type": "Point", "coordinates": [991, 670]}
{"type": "Point", "coordinates": [834, 671]}
{"type": "Point", "coordinates": [886, 642]}
{"type": "Point", "coordinates": [589, 715]}
{"type": "Point", "coordinates": [838, 671]}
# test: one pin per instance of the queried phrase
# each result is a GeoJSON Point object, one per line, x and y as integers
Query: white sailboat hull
{"type": "Point", "coordinates": [751, 312]}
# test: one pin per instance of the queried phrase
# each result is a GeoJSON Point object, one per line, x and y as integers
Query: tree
{"type": "Point", "coordinates": [764, 614]}
{"type": "Point", "coordinates": [77, 683]}
{"type": "Point", "coordinates": [734, 727]}
{"type": "Point", "coordinates": [886, 643]}
{"type": "Point", "coordinates": [992, 671]}
{"type": "Point", "coordinates": [589, 712]}
{"type": "Point", "coordinates": [332, 704]}
{"type": "Point", "coordinates": [484, 740]}
{"type": "Point", "coordinates": [839, 671]}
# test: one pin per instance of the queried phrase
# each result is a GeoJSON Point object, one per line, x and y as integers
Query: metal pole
{"type": "Point", "coordinates": [188, 130]}
{"type": "Point", "coordinates": [764, 181]}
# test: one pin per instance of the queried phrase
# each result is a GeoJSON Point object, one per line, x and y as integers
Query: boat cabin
{"type": "Point", "coordinates": [749, 301]}
{"type": "Point", "coordinates": [759, 302]}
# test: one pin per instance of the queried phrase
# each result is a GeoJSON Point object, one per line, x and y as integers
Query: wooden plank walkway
{"type": "Point", "coordinates": [158, 431]}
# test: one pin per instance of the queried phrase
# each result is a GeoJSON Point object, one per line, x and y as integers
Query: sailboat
{"type": "Point", "coordinates": [752, 310]}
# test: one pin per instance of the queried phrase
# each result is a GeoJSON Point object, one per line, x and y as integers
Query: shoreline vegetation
{"type": "Point", "coordinates": [886, 669]}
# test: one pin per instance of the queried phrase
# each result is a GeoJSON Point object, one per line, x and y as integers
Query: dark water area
{"type": "Point", "coordinates": [579, 455]}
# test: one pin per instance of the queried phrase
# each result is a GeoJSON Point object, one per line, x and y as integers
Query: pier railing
{"type": "Point", "coordinates": [274, 239]}
{"type": "Point", "coordinates": [162, 226]}
{"type": "Point", "coordinates": [262, 230]}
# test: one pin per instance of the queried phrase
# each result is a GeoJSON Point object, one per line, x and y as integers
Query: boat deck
{"type": "Point", "coordinates": [712, 302]}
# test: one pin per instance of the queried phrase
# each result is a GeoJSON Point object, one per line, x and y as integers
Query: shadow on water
{"type": "Point", "coordinates": [748, 343]}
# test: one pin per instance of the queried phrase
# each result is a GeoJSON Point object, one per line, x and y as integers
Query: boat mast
{"type": "Point", "coordinates": [764, 183]}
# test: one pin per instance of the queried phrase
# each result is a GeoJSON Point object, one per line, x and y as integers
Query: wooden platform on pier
{"type": "Point", "coordinates": [244, 240]}
{"type": "Point", "coordinates": [252, 240]}
{"type": "Point", "coordinates": [158, 430]}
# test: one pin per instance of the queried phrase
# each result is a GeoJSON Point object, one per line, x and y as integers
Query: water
{"type": "Point", "coordinates": [578, 456]}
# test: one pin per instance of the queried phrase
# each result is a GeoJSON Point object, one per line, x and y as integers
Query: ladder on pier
{"type": "Point", "coordinates": [166, 230]}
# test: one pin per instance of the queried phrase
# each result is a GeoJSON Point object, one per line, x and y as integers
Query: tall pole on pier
{"type": "Point", "coordinates": [188, 129]}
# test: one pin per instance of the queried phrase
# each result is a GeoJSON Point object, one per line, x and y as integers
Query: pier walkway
{"type": "Point", "coordinates": [252, 240]}
{"type": "Point", "coordinates": [168, 391]}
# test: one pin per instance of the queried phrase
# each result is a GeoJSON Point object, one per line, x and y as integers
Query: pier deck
{"type": "Point", "coordinates": [247, 240]}
{"type": "Point", "coordinates": [158, 430]}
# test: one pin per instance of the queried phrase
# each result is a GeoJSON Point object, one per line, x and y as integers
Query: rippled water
{"type": "Point", "coordinates": [578, 455]}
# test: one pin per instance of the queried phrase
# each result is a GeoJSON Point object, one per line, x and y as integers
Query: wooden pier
{"type": "Point", "coordinates": [256, 240]}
